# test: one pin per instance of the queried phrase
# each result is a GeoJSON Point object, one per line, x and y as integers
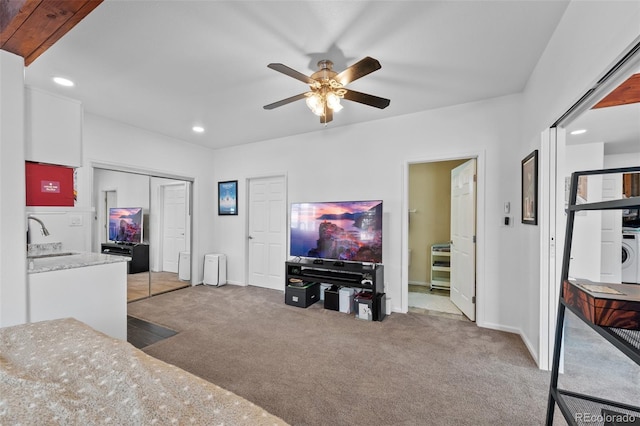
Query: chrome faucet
{"type": "Point", "coordinates": [43, 229]}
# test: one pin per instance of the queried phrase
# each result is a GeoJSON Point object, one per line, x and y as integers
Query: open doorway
{"type": "Point", "coordinates": [430, 265]}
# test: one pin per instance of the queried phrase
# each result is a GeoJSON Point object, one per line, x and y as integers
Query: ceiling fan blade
{"type": "Point", "coordinates": [285, 101]}
{"type": "Point", "coordinates": [359, 69]}
{"type": "Point", "coordinates": [327, 117]}
{"type": "Point", "coordinates": [291, 73]}
{"type": "Point", "coordinates": [366, 99]}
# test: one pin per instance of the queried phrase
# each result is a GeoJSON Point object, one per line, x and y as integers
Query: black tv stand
{"type": "Point", "coordinates": [138, 253]}
{"type": "Point", "coordinates": [367, 276]}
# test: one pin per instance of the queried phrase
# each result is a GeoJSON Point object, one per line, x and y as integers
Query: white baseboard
{"type": "Point", "coordinates": [517, 331]}
{"type": "Point", "coordinates": [529, 347]}
{"type": "Point", "coordinates": [499, 327]}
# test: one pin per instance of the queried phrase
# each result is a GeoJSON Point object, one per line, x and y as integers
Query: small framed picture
{"type": "Point", "coordinates": [530, 189]}
{"type": "Point", "coordinates": [228, 198]}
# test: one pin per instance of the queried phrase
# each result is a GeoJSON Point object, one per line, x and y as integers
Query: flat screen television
{"type": "Point", "coordinates": [341, 231]}
{"type": "Point", "coordinates": [125, 224]}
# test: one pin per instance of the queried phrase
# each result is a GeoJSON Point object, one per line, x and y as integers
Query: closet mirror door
{"type": "Point", "coordinates": [122, 201]}
{"type": "Point", "coordinates": [169, 234]}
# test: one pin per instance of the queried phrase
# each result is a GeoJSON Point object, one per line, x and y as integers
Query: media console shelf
{"type": "Point", "coordinates": [138, 253]}
{"type": "Point", "coordinates": [366, 276]}
{"type": "Point", "coordinates": [346, 274]}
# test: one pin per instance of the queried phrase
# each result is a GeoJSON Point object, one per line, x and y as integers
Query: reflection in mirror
{"type": "Point", "coordinates": [122, 225]}
{"type": "Point", "coordinates": [169, 234]}
{"type": "Point", "coordinates": [146, 219]}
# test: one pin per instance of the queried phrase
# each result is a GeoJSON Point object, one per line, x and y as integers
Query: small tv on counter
{"type": "Point", "coordinates": [125, 225]}
{"type": "Point", "coordinates": [340, 231]}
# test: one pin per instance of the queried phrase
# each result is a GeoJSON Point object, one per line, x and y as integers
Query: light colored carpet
{"type": "Point", "coordinates": [320, 367]}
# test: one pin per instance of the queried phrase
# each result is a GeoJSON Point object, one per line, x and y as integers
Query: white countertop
{"type": "Point", "coordinates": [75, 260]}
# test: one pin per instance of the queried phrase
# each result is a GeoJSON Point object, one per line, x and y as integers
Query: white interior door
{"type": "Point", "coordinates": [174, 219]}
{"type": "Point", "coordinates": [267, 232]}
{"type": "Point", "coordinates": [463, 234]}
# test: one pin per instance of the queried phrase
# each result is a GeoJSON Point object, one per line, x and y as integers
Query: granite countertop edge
{"type": "Point", "coordinates": [71, 261]}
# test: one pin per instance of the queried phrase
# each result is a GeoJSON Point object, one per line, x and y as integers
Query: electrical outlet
{"type": "Point", "coordinates": [75, 220]}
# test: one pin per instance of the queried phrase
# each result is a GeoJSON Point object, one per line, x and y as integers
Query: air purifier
{"type": "Point", "coordinates": [184, 266]}
{"type": "Point", "coordinates": [215, 269]}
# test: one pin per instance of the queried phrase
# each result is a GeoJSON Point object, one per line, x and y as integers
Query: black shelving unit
{"type": "Point", "coordinates": [366, 276]}
{"type": "Point", "coordinates": [623, 333]}
{"type": "Point", "coordinates": [137, 253]}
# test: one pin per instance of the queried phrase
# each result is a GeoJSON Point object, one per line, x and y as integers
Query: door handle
{"type": "Point", "coordinates": [250, 237]}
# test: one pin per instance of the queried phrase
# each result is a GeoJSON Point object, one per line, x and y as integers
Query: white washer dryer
{"type": "Point", "coordinates": [631, 257]}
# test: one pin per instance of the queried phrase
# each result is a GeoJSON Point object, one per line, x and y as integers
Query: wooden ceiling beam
{"type": "Point", "coordinates": [80, 14]}
{"type": "Point", "coordinates": [12, 15]}
{"type": "Point", "coordinates": [38, 24]}
{"type": "Point", "coordinates": [627, 93]}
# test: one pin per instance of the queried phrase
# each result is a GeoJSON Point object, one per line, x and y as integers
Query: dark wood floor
{"type": "Point", "coordinates": [141, 333]}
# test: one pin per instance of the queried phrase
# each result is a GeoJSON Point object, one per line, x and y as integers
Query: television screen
{"type": "Point", "coordinates": [345, 230]}
{"type": "Point", "coordinates": [125, 224]}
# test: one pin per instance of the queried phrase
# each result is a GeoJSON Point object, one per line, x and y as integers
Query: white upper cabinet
{"type": "Point", "coordinates": [53, 128]}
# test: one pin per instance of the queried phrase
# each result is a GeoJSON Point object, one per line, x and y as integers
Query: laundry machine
{"type": "Point", "coordinates": [631, 257]}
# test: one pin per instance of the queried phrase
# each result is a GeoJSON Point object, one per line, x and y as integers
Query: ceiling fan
{"type": "Point", "coordinates": [327, 87]}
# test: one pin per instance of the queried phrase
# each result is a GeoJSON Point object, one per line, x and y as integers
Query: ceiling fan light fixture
{"type": "Point", "coordinates": [327, 87]}
{"type": "Point", "coordinates": [315, 104]}
{"type": "Point", "coordinates": [333, 101]}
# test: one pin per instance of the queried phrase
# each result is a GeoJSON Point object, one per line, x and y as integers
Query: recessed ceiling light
{"type": "Point", "coordinates": [578, 132]}
{"type": "Point", "coordinates": [198, 129]}
{"type": "Point", "coordinates": [63, 81]}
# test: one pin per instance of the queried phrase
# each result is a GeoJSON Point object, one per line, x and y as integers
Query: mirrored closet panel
{"type": "Point", "coordinates": [146, 219]}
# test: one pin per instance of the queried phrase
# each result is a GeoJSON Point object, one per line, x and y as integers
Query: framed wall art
{"type": "Point", "coordinates": [530, 189]}
{"type": "Point", "coordinates": [228, 198]}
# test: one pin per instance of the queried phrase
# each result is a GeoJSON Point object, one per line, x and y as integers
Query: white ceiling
{"type": "Point", "coordinates": [617, 127]}
{"type": "Point", "coordinates": [167, 65]}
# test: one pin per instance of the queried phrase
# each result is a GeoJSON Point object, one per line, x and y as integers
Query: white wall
{"type": "Point", "coordinates": [588, 40]}
{"type": "Point", "coordinates": [13, 239]}
{"type": "Point", "coordinates": [367, 161]}
{"type": "Point", "coordinates": [613, 161]}
{"type": "Point", "coordinates": [70, 226]}
{"type": "Point", "coordinates": [126, 147]}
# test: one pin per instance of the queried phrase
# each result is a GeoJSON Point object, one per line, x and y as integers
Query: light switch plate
{"type": "Point", "coordinates": [506, 221]}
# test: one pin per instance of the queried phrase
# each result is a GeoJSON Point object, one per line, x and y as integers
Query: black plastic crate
{"type": "Point", "coordinates": [302, 296]}
{"type": "Point", "coordinates": [332, 298]}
